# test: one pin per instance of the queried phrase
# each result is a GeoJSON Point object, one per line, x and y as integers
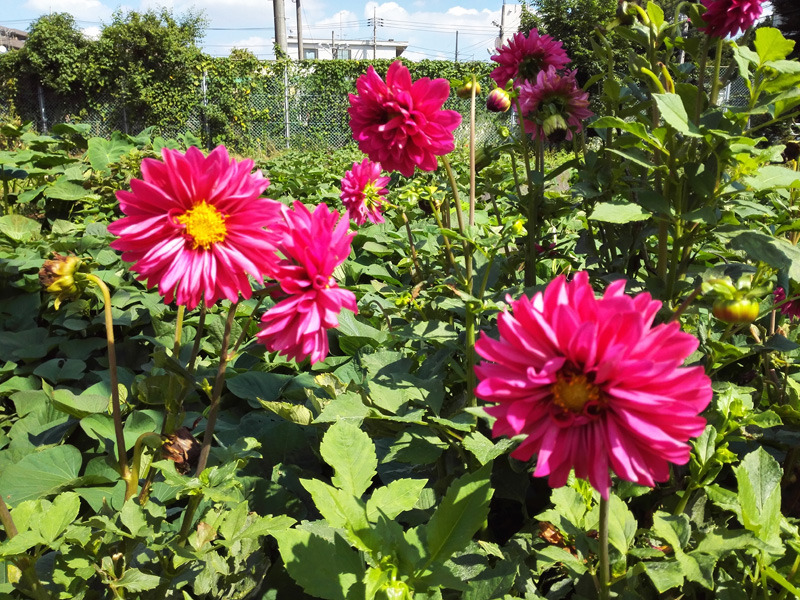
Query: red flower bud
{"type": "Point", "coordinates": [498, 100]}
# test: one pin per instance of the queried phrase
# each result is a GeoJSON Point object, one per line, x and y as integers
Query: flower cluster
{"type": "Point", "coordinates": [401, 124]}
{"type": "Point", "coordinates": [197, 227]}
{"type": "Point", "coordinates": [726, 18]}
{"type": "Point", "coordinates": [593, 385]}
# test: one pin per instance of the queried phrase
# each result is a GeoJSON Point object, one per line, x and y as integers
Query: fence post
{"type": "Point", "coordinates": [206, 127]}
{"type": "Point", "coordinates": [286, 101]}
{"type": "Point", "coordinates": [41, 109]}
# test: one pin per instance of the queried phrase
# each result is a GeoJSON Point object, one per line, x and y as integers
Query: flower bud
{"type": "Point", "coordinates": [57, 276]}
{"type": "Point", "coordinates": [465, 91]}
{"type": "Point", "coordinates": [742, 310]}
{"type": "Point", "coordinates": [498, 100]}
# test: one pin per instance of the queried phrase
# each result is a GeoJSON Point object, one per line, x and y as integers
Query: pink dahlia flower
{"type": "Point", "coordinates": [313, 245]}
{"type": "Point", "coordinates": [593, 385]}
{"type": "Point", "coordinates": [195, 226]}
{"type": "Point", "coordinates": [791, 309]}
{"type": "Point", "coordinates": [554, 106]}
{"type": "Point", "coordinates": [724, 18]}
{"type": "Point", "coordinates": [524, 55]}
{"type": "Point", "coordinates": [401, 124]}
{"type": "Point", "coordinates": [363, 191]}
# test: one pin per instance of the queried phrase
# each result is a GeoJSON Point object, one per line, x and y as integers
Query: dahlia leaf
{"type": "Point", "coordinates": [771, 45]}
{"type": "Point", "coordinates": [351, 453]}
{"type": "Point", "coordinates": [396, 497]}
{"type": "Point", "coordinates": [665, 575]}
{"type": "Point", "coordinates": [776, 252]}
{"type": "Point", "coordinates": [618, 212]}
{"type": "Point", "coordinates": [674, 114]}
{"type": "Point", "coordinates": [460, 514]}
{"type": "Point", "coordinates": [759, 476]}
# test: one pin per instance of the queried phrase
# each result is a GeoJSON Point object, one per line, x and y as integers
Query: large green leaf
{"type": "Point", "coordinates": [324, 569]}
{"type": "Point", "coordinates": [776, 252]}
{"type": "Point", "coordinates": [258, 385]}
{"type": "Point", "coordinates": [19, 228]}
{"type": "Point", "coordinates": [461, 513]}
{"type": "Point", "coordinates": [398, 496]}
{"type": "Point", "coordinates": [40, 474]}
{"type": "Point", "coordinates": [618, 212]}
{"type": "Point", "coordinates": [771, 45]}
{"type": "Point", "coordinates": [759, 478]}
{"type": "Point", "coordinates": [103, 152]}
{"type": "Point", "coordinates": [351, 453]}
{"type": "Point", "coordinates": [674, 114]}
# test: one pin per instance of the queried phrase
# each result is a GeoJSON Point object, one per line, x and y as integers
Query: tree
{"type": "Point", "coordinates": [55, 53]}
{"type": "Point", "coordinates": [786, 16]}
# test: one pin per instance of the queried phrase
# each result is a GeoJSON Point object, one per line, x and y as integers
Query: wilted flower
{"type": "Point", "coordinates": [593, 385]}
{"type": "Point", "coordinates": [553, 107]}
{"type": "Point", "coordinates": [399, 124]}
{"type": "Point", "coordinates": [726, 18]}
{"type": "Point", "coordinates": [313, 245]}
{"type": "Point", "coordinates": [58, 276]}
{"type": "Point", "coordinates": [498, 100]}
{"type": "Point", "coordinates": [183, 449]}
{"type": "Point", "coordinates": [363, 190]}
{"type": "Point", "coordinates": [195, 226]}
{"type": "Point", "coordinates": [524, 55]}
{"type": "Point", "coordinates": [791, 309]}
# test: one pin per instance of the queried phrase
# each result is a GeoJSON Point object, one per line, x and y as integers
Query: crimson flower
{"type": "Point", "coordinates": [524, 55]}
{"type": "Point", "coordinates": [313, 245]}
{"type": "Point", "coordinates": [401, 124]}
{"type": "Point", "coordinates": [593, 385]}
{"type": "Point", "coordinates": [791, 309]}
{"type": "Point", "coordinates": [725, 18]}
{"type": "Point", "coordinates": [195, 226]}
{"type": "Point", "coordinates": [554, 106]}
{"type": "Point", "coordinates": [363, 190]}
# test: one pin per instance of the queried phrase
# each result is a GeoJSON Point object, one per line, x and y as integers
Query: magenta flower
{"type": "Point", "coordinates": [313, 245]}
{"type": "Point", "coordinates": [524, 55]}
{"type": "Point", "coordinates": [791, 309]}
{"type": "Point", "coordinates": [195, 226]}
{"type": "Point", "coordinates": [593, 385]}
{"type": "Point", "coordinates": [724, 18]}
{"type": "Point", "coordinates": [399, 124]}
{"type": "Point", "coordinates": [553, 107]}
{"type": "Point", "coordinates": [363, 191]}
{"type": "Point", "coordinates": [498, 100]}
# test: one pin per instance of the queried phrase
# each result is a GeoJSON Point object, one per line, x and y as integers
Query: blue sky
{"type": "Point", "coordinates": [428, 25]}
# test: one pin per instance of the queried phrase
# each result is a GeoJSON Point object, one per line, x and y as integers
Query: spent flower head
{"type": "Point", "coordinates": [63, 276]}
{"type": "Point", "coordinates": [553, 107]}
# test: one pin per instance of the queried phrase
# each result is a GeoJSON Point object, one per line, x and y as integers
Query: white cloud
{"type": "Point", "coordinates": [90, 10]}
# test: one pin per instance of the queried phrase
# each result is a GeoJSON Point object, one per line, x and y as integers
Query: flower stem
{"type": "Point", "coordinates": [715, 83]}
{"type": "Point", "coordinates": [131, 485]}
{"type": "Point", "coordinates": [536, 200]}
{"type": "Point", "coordinates": [701, 80]}
{"type": "Point", "coordinates": [208, 436]}
{"type": "Point", "coordinates": [448, 250]}
{"type": "Point", "coordinates": [472, 154]}
{"type": "Point", "coordinates": [417, 272]}
{"type": "Point", "coordinates": [176, 346]}
{"type": "Point", "coordinates": [603, 567]}
{"type": "Point", "coordinates": [6, 520]}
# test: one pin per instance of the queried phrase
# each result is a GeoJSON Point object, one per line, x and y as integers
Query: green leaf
{"type": "Point", "coordinates": [759, 477]}
{"type": "Point", "coordinates": [771, 45]}
{"type": "Point", "coordinates": [484, 449]}
{"type": "Point", "coordinates": [770, 177]}
{"type": "Point", "coordinates": [776, 252]}
{"type": "Point", "coordinates": [665, 575]}
{"type": "Point", "coordinates": [19, 228]}
{"type": "Point", "coordinates": [134, 580]}
{"type": "Point", "coordinates": [324, 569]}
{"type": "Point", "coordinates": [460, 514]}
{"type": "Point", "coordinates": [618, 212]}
{"type": "Point", "coordinates": [398, 496]}
{"type": "Point", "coordinates": [40, 474]}
{"type": "Point", "coordinates": [67, 190]}
{"type": "Point", "coordinates": [674, 114]}
{"type": "Point", "coordinates": [56, 370]}
{"type": "Point", "coordinates": [54, 521]}
{"type": "Point", "coordinates": [103, 152]}
{"type": "Point", "coordinates": [79, 406]}
{"type": "Point", "coordinates": [294, 413]}
{"type": "Point", "coordinates": [351, 453]}
{"type": "Point", "coordinates": [258, 385]}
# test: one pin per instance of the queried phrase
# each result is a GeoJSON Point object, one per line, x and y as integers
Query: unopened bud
{"type": "Point", "coordinates": [57, 276]}
{"type": "Point", "coordinates": [498, 100]}
{"type": "Point", "coordinates": [465, 91]}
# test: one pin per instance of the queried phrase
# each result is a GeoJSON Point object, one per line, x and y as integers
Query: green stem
{"type": "Point", "coordinates": [715, 84]}
{"type": "Point", "coordinates": [535, 201]}
{"type": "Point", "coordinates": [416, 274]}
{"type": "Point", "coordinates": [448, 250]}
{"type": "Point", "coordinates": [176, 345]}
{"type": "Point", "coordinates": [246, 326]}
{"type": "Point", "coordinates": [789, 577]}
{"type": "Point", "coordinates": [701, 80]}
{"type": "Point", "coordinates": [603, 570]}
{"type": "Point", "coordinates": [6, 520]}
{"type": "Point", "coordinates": [472, 155]}
{"type": "Point", "coordinates": [131, 485]}
{"type": "Point", "coordinates": [146, 438]}
{"type": "Point", "coordinates": [208, 436]}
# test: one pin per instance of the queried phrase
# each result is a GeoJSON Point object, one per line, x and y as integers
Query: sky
{"type": "Point", "coordinates": [429, 26]}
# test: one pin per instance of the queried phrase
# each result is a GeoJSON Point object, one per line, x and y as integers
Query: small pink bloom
{"type": "Point", "coordinates": [195, 226]}
{"type": "Point", "coordinates": [791, 309]}
{"type": "Point", "coordinates": [593, 385]}
{"type": "Point", "coordinates": [363, 191]}
{"type": "Point", "coordinates": [554, 106]}
{"type": "Point", "coordinates": [313, 245]}
{"type": "Point", "coordinates": [401, 124]}
{"type": "Point", "coordinates": [725, 18]}
{"type": "Point", "coordinates": [524, 55]}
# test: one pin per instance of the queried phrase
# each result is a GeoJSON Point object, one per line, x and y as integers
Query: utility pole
{"type": "Point", "coordinates": [503, 23]}
{"type": "Point", "coordinates": [374, 33]}
{"type": "Point", "coordinates": [333, 46]}
{"type": "Point", "coordinates": [280, 27]}
{"type": "Point", "coordinates": [456, 45]}
{"type": "Point", "coordinates": [299, 33]}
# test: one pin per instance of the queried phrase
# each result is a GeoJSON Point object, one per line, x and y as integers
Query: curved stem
{"type": "Point", "coordinates": [6, 520]}
{"type": "Point", "coordinates": [146, 438]}
{"type": "Point", "coordinates": [472, 154]}
{"type": "Point", "coordinates": [176, 346]}
{"type": "Point", "coordinates": [603, 568]}
{"type": "Point", "coordinates": [416, 274]}
{"type": "Point", "coordinates": [115, 406]}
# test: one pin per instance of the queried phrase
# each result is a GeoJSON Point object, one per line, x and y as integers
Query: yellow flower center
{"type": "Point", "coordinates": [371, 195]}
{"type": "Point", "coordinates": [205, 224]}
{"type": "Point", "coordinates": [573, 392]}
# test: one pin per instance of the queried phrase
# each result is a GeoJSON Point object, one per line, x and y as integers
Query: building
{"type": "Point", "coordinates": [346, 49]}
{"type": "Point", "coordinates": [12, 39]}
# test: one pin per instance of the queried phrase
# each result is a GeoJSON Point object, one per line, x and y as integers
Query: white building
{"type": "Point", "coordinates": [345, 49]}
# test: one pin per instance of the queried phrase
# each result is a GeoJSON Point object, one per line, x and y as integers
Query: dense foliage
{"type": "Point", "coordinates": [374, 473]}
